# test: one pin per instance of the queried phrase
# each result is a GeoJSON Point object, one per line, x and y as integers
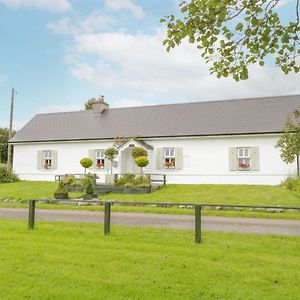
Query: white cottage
{"type": "Point", "coordinates": [217, 142]}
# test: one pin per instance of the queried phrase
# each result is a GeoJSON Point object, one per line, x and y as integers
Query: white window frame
{"type": "Point", "coordinates": [244, 158]}
{"type": "Point", "coordinates": [169, 158]}
{"type": "Point", "coordinates": [100, 159]}
{"type": "Point", "coordinates": [47, 159]}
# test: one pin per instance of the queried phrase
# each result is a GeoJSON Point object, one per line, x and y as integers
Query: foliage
{"type": "Point", "coordinates": [129, 180]}
{"type": "Point", "coordinates": [142, 162]}
{"type": "Point", "coordinates": [4, 136]}
{"type": "Point", "coordinates": [89, 183]}
{"type": "Point", "coordinates": [71, 180]}
{"type": "Point", "coordinates": [292, 184]}
{"type": "Point", "coordinates": [289, 141]}
{"type": "Point", "coordinates": [139, 151]}
{"type": "Point", "coordinates": [89, 104]}
{"type": "Point", "coordinates": [86, 163]}
{"type": "Point", "coordinates": [7, 176]}
{"type": "Point", "coordinates": [235, 34]}
{"type": "Point", "coordinates": [61, 191]}
{"type": "Point", "coordinates": [110, 154]}
{"type": "Point", "coordinates": [125, 179]}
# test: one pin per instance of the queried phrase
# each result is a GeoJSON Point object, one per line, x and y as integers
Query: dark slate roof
{"type": "Point", "coordinates": [245, 116]}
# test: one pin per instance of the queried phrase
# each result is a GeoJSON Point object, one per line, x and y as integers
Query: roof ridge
{"type": "Point", "coordinates": [181, 103]}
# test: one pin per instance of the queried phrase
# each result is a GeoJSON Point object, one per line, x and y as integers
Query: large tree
{"type": "Point", "coordinates": [233, 34]}
{"type": "Point", "coordinates": [4, 136]}
{"type": "Point", "coordinates": [289, 141]}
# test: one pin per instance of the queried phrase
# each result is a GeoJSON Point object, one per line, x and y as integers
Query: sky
{"type": "Point", "coordinates": [59, 53]}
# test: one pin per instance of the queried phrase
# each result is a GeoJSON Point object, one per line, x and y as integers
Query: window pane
{"type": "Point", "coordinates": [246, 152]}
{"type": "Point", "coordinates": [241, 152]}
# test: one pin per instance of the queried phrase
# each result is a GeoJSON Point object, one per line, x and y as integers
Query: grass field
{"type": "Point", "coordinates": [75, 261]}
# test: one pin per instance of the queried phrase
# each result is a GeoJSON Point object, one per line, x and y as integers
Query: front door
{"type": "Point", "coordinates": [128, 164]}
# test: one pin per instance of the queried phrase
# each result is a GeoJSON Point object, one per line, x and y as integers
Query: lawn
{"type": "Point", "coordinates": [76, 261]}
{"type": "Point", "coordinates": [209, 194]}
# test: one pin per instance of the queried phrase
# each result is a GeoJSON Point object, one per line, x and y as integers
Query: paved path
{"type": "Point", "coordinates": [245, 225]}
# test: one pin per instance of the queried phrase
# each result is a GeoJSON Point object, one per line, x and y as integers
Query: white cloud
{"type": "Point", "coordinates": [58, 108]}
{"type": "Point", "coordinates": [92, 23]}
{"type": "Point", "coordinates": [125, 5]}
{"type": "Point", "coordinates": [59, 6]}
{"type": "Point", "coordinates": [139, 65]}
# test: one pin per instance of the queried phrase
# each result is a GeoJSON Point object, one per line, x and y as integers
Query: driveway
{"type": "Point", "coordinates": [242, 225]}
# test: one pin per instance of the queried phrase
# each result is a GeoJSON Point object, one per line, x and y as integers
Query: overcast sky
{"type": "Point", "coordinates": [59, 53]}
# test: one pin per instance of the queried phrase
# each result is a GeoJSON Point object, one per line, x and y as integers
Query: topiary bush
{"type": "Point", "coordinates": [86, 163]}
{"type": "Point", "coordinates": [7, 176]}
{"type": "Point", "coordinates": [138, 152]}
{"type": "Point", "coordinates": [142, 162]}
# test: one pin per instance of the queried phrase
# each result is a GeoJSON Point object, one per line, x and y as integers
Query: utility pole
{"type": "Point", "coordinates": [9, 154]}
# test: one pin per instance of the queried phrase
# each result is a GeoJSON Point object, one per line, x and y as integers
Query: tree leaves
{"type": "Point", "coordinates": [232, 35]}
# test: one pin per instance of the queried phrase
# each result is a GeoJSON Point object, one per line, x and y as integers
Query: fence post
{"type": "Point", "coordinates": [107, 218]}
{"type": "Point", "coordinates": [31, 215]}
{"type": "Point", "coordinates": [165, 179]}
{"type": "Point", "coordinates": [198, 209]}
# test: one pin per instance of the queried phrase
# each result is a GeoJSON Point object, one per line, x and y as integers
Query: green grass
{"type": "Point", "coordinates": [209, 194]}
{"type": "Point", "coordinates": [75, 261]}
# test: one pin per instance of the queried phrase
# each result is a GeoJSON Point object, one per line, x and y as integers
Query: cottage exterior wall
{"type": "Point", "coordinates": [205, 160]}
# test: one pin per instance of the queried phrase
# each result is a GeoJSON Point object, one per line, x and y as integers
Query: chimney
{"type": "Point", "coordinates": [100, 106]}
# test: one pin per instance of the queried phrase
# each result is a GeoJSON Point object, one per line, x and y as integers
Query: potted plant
{"type": "Point", "coordinates": [110, 154]}
{"type": "Point", "coordinates": [169, 164]}
{"type": "Point", "coordinates": [89, 187]}
{"type": "Point", "coordinates": [61, 192]}
{"type": "Point", "coordinates": [100, 165]}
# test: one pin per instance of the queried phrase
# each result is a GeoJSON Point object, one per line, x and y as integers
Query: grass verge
{"type": "Point", "coordinates": [75, 261]}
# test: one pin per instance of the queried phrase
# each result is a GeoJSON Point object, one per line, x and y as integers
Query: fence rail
{"type": "Point", "coordinates": [108, 204]}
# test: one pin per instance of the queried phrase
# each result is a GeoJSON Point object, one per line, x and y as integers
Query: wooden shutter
{"type": "Point", "coordinates": [159, 158]}
{"type": "Point", "coordinates": [92, 156]}
{"type": "Point", "coordinates": [254, 159]}
{"type": "Point", "coordinates": [178, 159]}
{"type": "Point", "coordinates": [40, 156]}
{"type": "Point", "coordinates": [53, 159]}
{"type": "Point", "coordinates": [233, 160]}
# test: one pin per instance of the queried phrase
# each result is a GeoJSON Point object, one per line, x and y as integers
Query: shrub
{"type": "Point", "coordinates": [126, 178]}
{"type": "Point", "coordinates": [89, 183]}
{"type": "Point", "coordinates": [61, 192]}
{"type": "Point", "coordinates": [7, 176]}
{"type": "Point", "coordinates": [86, 163]}
{"type": "Point", "coordinates": [292, 184]}
{"type": "Point", "coordinates": [138, 152]}
{"type": "Point", "coordinates": [142, 181]}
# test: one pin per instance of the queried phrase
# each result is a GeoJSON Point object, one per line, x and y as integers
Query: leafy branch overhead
{"type": "Point", "coordinates": [233, 34]}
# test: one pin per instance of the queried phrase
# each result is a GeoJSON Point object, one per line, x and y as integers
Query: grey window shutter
{"type": "Point", "coordinates": [40, 155]}
{"type": "Point", "coordinates": [53, 159]}
{"type": "Point", "coordinates": [92, 156]}
{"type": "Point", "coordinates": [233, 160]}
{"type": "Point", "coordinates": [159, 158]}
{"type": "Point", "coordinates": [178, 159]}
{"type": "Point", "coordinates": [254, 159]}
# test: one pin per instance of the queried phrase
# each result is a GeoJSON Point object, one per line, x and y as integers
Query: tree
{"type": "Point", "coordinates": [289, 141]}
{"type": "Point", "coordinates": [4, 136]}
{"type": "Point", "coordinates": [111, 154]}
{"type": "Point", "coordinates": [86, 163]}
{"type": "Point", "coordinates": [142, 161]}
{"type": "Point", "coordinates": [233, 34]}
{"type": "Point", "coordinates": [89, 104]}
{"type": "Point", "coordinates": [139, 151]}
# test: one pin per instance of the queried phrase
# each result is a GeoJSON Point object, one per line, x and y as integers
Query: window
{"type": "Point", "coordinates": [169, 158]}
{"type": "Point", "coordinates": [47, 159]}
{"type": "Point", "coordinates": [100, 158]}
{"type": "Point", "coordinates": [244, 160]}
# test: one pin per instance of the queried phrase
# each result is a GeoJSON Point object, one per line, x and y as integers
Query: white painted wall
{"type": "Point", "coordinates": [205, 160]}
